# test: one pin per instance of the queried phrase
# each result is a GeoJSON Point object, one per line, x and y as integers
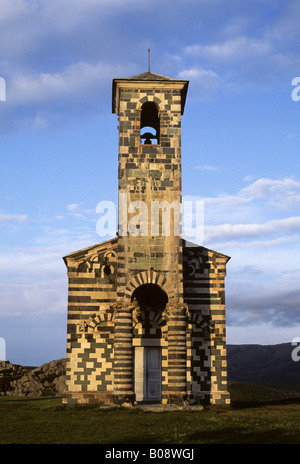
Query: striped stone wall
{"type": "Point", "coordinates": [102, 332]}
{"type": "Point", "coordinates": [204, 294]}
{"type": "Point", "coordinates": [91, 323]}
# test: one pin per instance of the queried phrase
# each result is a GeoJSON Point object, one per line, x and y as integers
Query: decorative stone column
{"type": "Point", "coordinates": [123, 354]}
{"type": "Point", "coordinates": [177, 353]}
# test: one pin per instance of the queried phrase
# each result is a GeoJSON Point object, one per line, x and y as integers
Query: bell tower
{"type": "Point", "coordinates": [150, 107]}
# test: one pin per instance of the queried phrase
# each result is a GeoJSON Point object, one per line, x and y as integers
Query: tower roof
{"type": "Point", "coordinates": [150, 80]}
{"type": "Point", "coordinates": [150, 76]}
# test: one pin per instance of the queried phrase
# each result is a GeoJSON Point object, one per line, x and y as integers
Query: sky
{"type": "Point", "coordinates": [59, 149]}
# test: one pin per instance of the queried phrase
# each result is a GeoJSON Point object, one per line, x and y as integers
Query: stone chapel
{"type": "Point", "coordinates": [146, 310]}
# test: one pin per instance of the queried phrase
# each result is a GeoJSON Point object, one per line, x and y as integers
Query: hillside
{"type": "Point", "coordinates": [269, 365]}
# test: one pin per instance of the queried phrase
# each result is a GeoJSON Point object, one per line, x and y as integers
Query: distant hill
{"type": "Point", "coordinates": [268, 365]}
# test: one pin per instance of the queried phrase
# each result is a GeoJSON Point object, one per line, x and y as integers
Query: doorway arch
{"type": "Point", "coordinates": [150, 295]}
{"type": "Point", "coordinates": [150, 277]}
{"type": "Point", "coordinates": [148, 343]}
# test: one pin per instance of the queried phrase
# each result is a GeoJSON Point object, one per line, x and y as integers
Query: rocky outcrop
{"type": "Point", "coordinates": [46, 380]}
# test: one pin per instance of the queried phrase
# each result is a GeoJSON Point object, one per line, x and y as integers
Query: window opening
{"type": "Point", "coordinates": [150, 124]}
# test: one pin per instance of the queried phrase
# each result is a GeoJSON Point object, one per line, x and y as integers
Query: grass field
{"type": "Point", "coordinates": [45, 421]}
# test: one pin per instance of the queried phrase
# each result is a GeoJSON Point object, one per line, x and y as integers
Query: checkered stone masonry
{"type": "Point", "coordinates": [204, 294]}
{"type": "Point", "coordinates": [91, 323]}
{"type": "Point", "coordinates": [108, 328]}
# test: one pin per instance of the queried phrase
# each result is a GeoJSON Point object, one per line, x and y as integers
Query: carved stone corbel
{"type": "Point", "coordinates": [83, 326]}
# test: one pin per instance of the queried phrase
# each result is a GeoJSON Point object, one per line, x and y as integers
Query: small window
{"type": "Point", "coordinates": [150, 125]}
{"type": "Point", "coordinates": [107, 270]}
{"type": "Point", "coordinates": [82, 267]}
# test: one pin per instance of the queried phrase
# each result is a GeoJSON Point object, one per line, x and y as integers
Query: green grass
{"type": "Point", "coordinates": [46, 421]}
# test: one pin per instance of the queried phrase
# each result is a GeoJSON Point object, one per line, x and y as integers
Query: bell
{"type": "Point", "coordinates": [147, 136]}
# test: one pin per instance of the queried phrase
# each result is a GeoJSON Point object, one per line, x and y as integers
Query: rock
{"type": "Point", "coordinates": [60, 384]}
{"type": "Point", "coordinates": [45, 380]}
{"type": "Point", "coordinates": [127, 405]}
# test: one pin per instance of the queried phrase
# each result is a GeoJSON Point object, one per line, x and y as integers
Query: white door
{"type": "Point", "coordinates": [152, 374]}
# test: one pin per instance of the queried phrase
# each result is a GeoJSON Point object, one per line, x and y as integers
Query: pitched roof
{"type": "Point", "coordinates": [199, 249]}
{"type": "Point", "coordinates": [150, 76]}
{"type": "Point", "coordinates": [85, 252]}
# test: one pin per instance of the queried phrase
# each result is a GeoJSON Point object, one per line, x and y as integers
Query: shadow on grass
{"type": "Point", "coordinates": [139, 440]}
{"type": "Point", "coordinates": [31, 398]}
{"type": "Point", "coordinates": [243, 436]}
{"type": "Point", "coordinates": [258, 404]}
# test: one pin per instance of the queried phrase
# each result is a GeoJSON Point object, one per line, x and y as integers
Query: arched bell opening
{"type": "Point", "coordinates": [150, 124]}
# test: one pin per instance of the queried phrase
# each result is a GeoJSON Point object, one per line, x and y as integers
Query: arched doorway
{"type": "Point", "coordinates": [148, 343]}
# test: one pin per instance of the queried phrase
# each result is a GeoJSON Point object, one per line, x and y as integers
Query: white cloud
{"type": "Point", "coordinates": [235, 243]}
{"type": "Point", "coordinates": [225, 208]}
{"type": "Point", "coordinates": [12, 13]}
{"type": "Point", "coordinates": [13, 218]}
{"type": "Point", "coordinates": [261, 333]}
{"type": "Point", "coordinates": [249, 50]}
{"type": "Point", "coordinates": [62, 52]}
{"type": "Point", "coordinates": [30, 28]}
{"type": "Point", "coordinates": [34, 279]}
{"type": "Point", "coordinates": [228, 232]}
{"type": "Point", "coordinates": [77, 81]}
{"type": "Point", "coordinates": [35, 297]}
{"type": "Point", "coordinates": [262, 284]}
{"type": "Point", "coordinates": [234, 49]}
{"type": "Point", "coordinates": [203, 82]}
{"type": "Point", "coordinates": [207, 167]}
{"type": "Point", "coordinates": [78, 211]}
{"type": "Point", "coordinates": [274, 189]}
{"type": "Point", "coordinates": [73, 206]}
{"type": "Point", "coordinates": [30, 261]}
{"type": "Point", "coordinates": [255, 300]}
{"type": "Point", "coordinates": [263, 199]}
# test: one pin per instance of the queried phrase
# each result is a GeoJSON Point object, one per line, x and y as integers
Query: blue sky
{"type": "Point", "coordinates": [59, 149]}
